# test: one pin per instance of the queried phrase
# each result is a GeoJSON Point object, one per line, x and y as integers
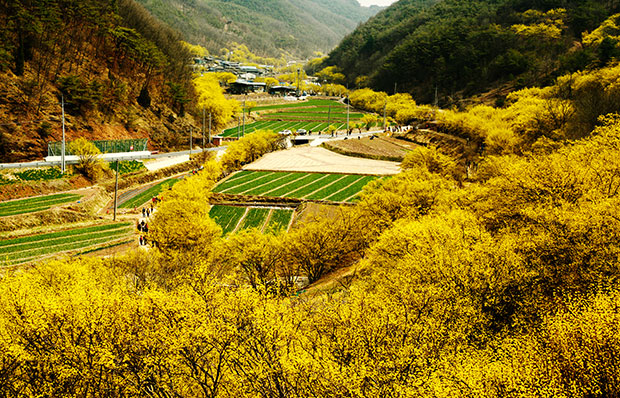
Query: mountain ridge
{"type": "Point", "coordinates": [464, 48]}
{"type": "Point", "coordinates": [267, 27]}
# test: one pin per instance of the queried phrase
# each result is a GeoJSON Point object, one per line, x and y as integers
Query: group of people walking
{"type": "Point", "coordinates": [143, 225]}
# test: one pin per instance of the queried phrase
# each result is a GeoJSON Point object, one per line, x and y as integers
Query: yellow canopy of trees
{"type": "Point", "coordinates": [249, 148]}
{"type": "Point", "coordinates": [211, 98]}
{"type": "Point", "coordinates": [90, 163]}
{"type": "Point", "coordinates": [504, 284]}
{"type": "Point", "coordinates": [331, 74]}
{"type": "Point", "coordinates": [608, 29]}
{"type": "Point", "coordinates": [196, 49]}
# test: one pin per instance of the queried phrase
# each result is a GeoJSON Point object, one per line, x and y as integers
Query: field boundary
{"type": "Point", "coordinates": [316, 172]}
{"type": "Point", "coordinates": [247, 209]}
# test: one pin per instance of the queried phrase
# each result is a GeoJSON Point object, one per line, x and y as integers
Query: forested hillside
{"type": "Point", "coordinates": [462, 48]}
{"type": "Point", "coordinates": [122, 74]}
{"type": "Point", "coordinates": [267, 27]}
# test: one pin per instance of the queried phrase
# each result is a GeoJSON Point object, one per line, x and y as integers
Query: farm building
{"type": "Point", "coordinates": [243, 87]}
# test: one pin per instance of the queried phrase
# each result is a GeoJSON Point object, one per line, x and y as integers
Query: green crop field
{"type": "Point", "coordinates": [314, 186]}
{"type": "Point", "coordinates": [297, 184]}
{"type": "Point", "coordinates": [284, 181]}
{"type": "Point", "coordinates": [267, 219]}
{"type": "Point", "coordinates": [23, 206]}
{"type": "Point", "coordinates": [311, 115]}
{"type": "Point", "coordinates": [146, 195]}
{"type": "Point", "coordinates": [227, 217]}
{"type": "Point", "coordinates": [279, 220]}
{"type": "Point", "coordinates": [352, 190]}
{"type": "Point", "coordinates": [303, 104]}
{"type": "Point", "coordinates": [314, 115]}
{"type": "Point", "coordinates": [30, 248]}
{"type": "Point", "coordinates": [276, 126]}
{"type": "Point", "coordinates": [334, 187]}
{"type": "Point", "coordinates": [302, 192]}
{"type": "Point", "coordinates": [248, 184]}
{"type": "Point", "coordinates": [255, 218]}
{"type": "Point", "coordinates": [239, 179]}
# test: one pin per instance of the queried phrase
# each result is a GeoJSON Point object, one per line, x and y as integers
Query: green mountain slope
{"type": "Point", "coordinates": [268, 27]}
{"type": "Point", "coordinates": [468, 47]}
{"type": "Point", "coordinates": [123, 74]}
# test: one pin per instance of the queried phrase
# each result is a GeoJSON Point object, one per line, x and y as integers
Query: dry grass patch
{"type": "Point", "coordinates": [382, 148]}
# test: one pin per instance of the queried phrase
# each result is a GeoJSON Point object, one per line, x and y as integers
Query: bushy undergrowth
{"type": "Point", "coordinates": [127, 166]}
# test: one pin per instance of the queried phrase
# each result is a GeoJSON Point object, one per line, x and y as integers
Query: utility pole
{"type": "Point", "coordinates": [190, 141]}
{"type": "Point", "coordinates": [436, 98]}
{"type": "Point", "coordinates": [384, 116]}
{"type": "Point", "coordinates": [395, 83]}
{"type": "Point", "coordinates": [116, 189]}
{"type": "Point", "coordinates": [348, 106]}
{"type": "Point", "coordinates": [203, 128]}
{"type": "Point", "coordinates": [238, 125]}
{"type": "Point", "coordinates": [209, 127]}
{"type": "Point", "coordinates": [243, 132]}
{"type": "Point", "coordinates": [62, 155]}
{"type": "Point", "coordinates": [298, 81]}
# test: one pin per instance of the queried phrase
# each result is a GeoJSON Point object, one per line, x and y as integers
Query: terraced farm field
{"type": "Point", "coordinates": [264, 218]}
{"type": "Point", "coordinates": [31, 248]}
{"type": "Point", "coordinates": [144, 196]}
{"type": "Point", "coordinates": [23, 206]}
{"type": "Point", "coordinates": [313, 115]}
{"type": "Point", "coordinates": [303, 104]}
{"type": "Point", "coordinates": [274, 125]}
{"type": "Point", "coordinates": [227, 217]}
{"type": "Point", "coordinates": [315, 186]}
{"type": "Point", "coordinates": [382, 148]}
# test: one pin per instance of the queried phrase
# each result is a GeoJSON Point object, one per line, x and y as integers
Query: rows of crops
{"type": "Point", "coordinates": [146, 195]}
{"type": "Point", "coordinates": [314, 115]}
{"type": "Point", "coordinates": [304, 104]}
{"type": "Point", "coordinates": [276, 126]}
{"type": "Point", "coordinates": [227, 217]}
{"type": "Point", "coordinates": [33, 247]}
{"type": "Point", "coordinates": [315, 186]}
{"type": "Point", "coordinates": [39, 203]}
{"type": "Point", "coordinates": [232, 218]}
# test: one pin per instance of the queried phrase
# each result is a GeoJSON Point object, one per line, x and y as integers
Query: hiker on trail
{"type": "Point", "coordinates": [146, 228]}
{"type": "Point", "coordinates": [143, 212]}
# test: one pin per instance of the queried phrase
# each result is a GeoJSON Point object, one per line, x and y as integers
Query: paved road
{"type": "Point", "coordinates": [314, 141]}
{"type": "Point", "coordinates": [43, 163]}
